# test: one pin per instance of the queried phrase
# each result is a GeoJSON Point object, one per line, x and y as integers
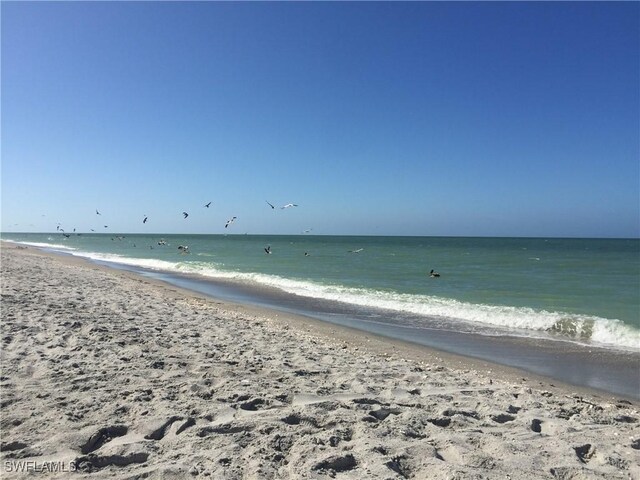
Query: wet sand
{"type": "Point", "coordinates": [118, 376]}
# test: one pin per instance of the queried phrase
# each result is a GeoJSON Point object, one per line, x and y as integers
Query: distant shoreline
{"type": "Point", "coordinates": [346, 235]}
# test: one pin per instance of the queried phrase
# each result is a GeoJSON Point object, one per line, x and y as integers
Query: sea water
{"type": "Point", "coordinates": [586, 291]}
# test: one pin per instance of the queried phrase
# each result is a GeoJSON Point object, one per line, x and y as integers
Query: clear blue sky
{"type": "Point", "coordinates": [489, 119]}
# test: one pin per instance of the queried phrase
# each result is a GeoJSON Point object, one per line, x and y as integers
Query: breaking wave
{"type": "Point", "coordinates": [517, 320]}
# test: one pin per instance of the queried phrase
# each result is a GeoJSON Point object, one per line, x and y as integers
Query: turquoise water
{"type": "Point", "coordinates": [585, 290]}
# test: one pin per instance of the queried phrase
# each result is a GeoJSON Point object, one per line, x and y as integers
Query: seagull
{"type": "Point", "coordinates": [145, 219]}
{"type": "Point", "coordinates": [268, 249]}
{"type": "Point", "coordinates": [433, 274]}
{"type": "Point", "coordinates": [92, 230]}
{"type": "Point", "coordinates": [230, 221]}
{"type": "Point", "coordinates": [288, 205]}
{"type": "Point", "coordinates": [356, 251]}
{"type": "Point", "coordinates": [106, 226]}
{"type": "Point", "coordinates": [208, 205]}
{"type": "Point", "coordinates": [185, 214]}
{"type": "Point", "coordinates": [97, 212]}
{"type": "Point", "coordinates": [272, 207]}
{"type": "Point", "coordinates": [307, 230]}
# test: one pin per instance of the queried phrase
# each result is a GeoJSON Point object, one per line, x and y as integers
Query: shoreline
{"type": "Point", "coordinates": [578, 366]}
{"type": "Point", "coordinates": [261, 374]}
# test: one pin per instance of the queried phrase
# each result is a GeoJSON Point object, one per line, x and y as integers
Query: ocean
{"type": "Point", "coordinates": [579, 292]}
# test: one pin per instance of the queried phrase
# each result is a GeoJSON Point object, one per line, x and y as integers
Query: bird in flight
{"type": "Point", "coordinates": [288, 205]}
{"type": "Point", "coordinates": [185, 214]}
{"type": "Point", "coordinates": [208, 205]}
{"type": "Point", "coordinates": [145, 219]}
{"type": "Point", "coordinates": [97, 212]}
{"type": "Point", "coordinates": [230, 221]}
{"type": "Point", "coordinates": [267, 249]}
{"type": "Point", "coordinates": [356, 251]}
{"type": "Point", "coordinates": [272, 207]}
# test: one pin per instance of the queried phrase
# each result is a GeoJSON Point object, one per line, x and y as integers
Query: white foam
{"type": "Point", "coordinates": [594, 329]}
{"type": "Point", "coordinates": [614, 332]}
{"type": "Point", "coordinates": [150, 263]}
{"type": "Point", "coordinates": [52, 246]}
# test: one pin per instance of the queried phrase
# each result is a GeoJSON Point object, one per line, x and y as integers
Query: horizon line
{"type": "Point", "coordinates": [327, 235]}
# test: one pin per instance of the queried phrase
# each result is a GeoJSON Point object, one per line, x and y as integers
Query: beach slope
{"type": "Point", "coordinates": [109, 375]}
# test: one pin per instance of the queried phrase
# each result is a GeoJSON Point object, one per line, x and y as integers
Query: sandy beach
{"type": "Point", "coordinates": [106, 374]}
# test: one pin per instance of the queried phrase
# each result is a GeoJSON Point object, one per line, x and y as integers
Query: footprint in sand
{"type": "Point", "coordinates": [337, 464]}
{"type": "Point", "coordinates": [253, 405]}
{"type": "Point", "coordinates": [161, 431]}
{"type": "Point", "coordinates": [103, 436]}
{"type": "Point", "coordinates": [536, 425]}
{"type": "Point", "coordinates": [383, 413]}
{"type": "Point", "coordinates": [585, 452]}
{"type": "Point", "coordinates": [295, 419]}
{"type": "Point", "coordinates": [503, 418]}
{"type": "Point", "coordinates": [400, 465]}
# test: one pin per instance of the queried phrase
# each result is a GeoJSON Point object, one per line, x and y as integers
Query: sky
{"type": "Point", "coordinates": [416, 118]}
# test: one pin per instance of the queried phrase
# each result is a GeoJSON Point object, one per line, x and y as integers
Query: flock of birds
{"type": "Point", "coordinates": [185, 215]}
{"type": "Point", "coordinates": [185, 248]}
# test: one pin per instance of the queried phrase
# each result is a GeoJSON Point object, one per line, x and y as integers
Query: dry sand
{"type": "Point", "coordinates": [117, 376]}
